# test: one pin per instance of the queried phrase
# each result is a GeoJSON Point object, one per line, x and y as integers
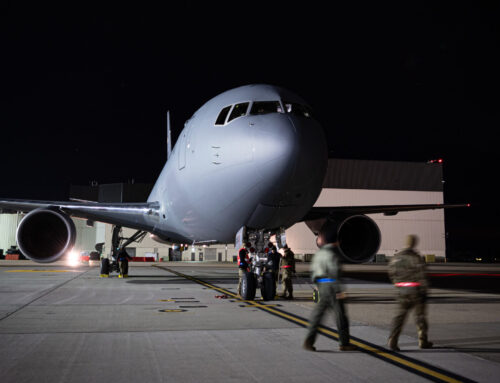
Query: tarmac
{"type": "Point", "coordinates": [182, 322]}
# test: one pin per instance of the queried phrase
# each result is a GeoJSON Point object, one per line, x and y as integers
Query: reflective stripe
{"type": "Point", "coordinates": [325, 280]}
{"type": "Point", "coordinates": [407, 284]}
{"type": "Point", "coordinates": [286, 267]}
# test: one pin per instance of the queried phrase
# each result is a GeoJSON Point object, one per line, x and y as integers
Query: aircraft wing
{"type": "Point", "coordinates": [133, 215]}
{"type": "Point", "coordinates": [325, 211]}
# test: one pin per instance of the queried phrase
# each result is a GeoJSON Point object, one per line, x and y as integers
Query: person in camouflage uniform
{"type": "Point", "coordinates": [325, 273]}
{"type": "Point", "coordinates": [407, 272]}
{"type": "Point", "coordinates": [288, 267]}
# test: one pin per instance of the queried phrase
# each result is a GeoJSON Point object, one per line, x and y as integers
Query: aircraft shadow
{"type": "Point", "coordinates": [438, 300]}
{"type": "Point", "coordinates": [159, 281]}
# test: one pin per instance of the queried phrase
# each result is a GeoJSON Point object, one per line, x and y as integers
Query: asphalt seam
{"type": "Point", "coordinates": [409, 364]}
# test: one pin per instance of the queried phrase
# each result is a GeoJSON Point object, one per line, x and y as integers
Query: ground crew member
{"type": "Point", "coordinates": [407, 272]}
{"type": "Point", "coordinates": [243, 263]}
{"type": "Point", "coordinates": [123, 259]}
{"type": "Point", "coordinates": [325, 273]}
{"type": "Point", "coordinates": [288, 268]}
{"type": "Point", "coordinates": [274, 262]}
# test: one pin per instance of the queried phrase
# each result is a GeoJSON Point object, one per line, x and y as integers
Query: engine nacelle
{"type": "Point", "coordinates": [45, 235]}
{"type": "Point", "coordinates": [358, 235]}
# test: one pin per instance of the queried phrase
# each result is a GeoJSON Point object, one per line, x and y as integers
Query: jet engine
{"type": "Point", "coordinates": [45, 235]}
{"type": "Point", "coordinates": [358, 235]}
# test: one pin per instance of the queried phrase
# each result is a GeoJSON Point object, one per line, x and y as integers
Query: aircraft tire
{"type": "Point", "coordinates": [268, 288]}
{"type": "Point", "coordinates": [248, 286]}
{"type": "Point", "coordinates": [104, 266]}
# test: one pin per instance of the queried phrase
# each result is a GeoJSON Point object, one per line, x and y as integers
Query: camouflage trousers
{"type": "Point", "coordinates": [328, 300]}
{"type": "Point", "coordinates": [407, 301]}
{"type": "Point", "coordinates": [287, 283]}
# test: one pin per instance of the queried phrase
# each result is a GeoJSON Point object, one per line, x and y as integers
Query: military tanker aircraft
{"type": "Point", "coordinates": [247, 165]}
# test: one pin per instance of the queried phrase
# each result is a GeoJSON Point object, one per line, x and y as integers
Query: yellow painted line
{"type": "Point", "coordinates": [395, 358]}
{"type": "Point", "coordinates": [386, 355]}
{"type": "Point", "coordinates": [166, 300]}
{"type": "Point", "coordinates": [40, 271]}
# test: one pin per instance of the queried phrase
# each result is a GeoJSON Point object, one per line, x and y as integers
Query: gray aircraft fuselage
{"type": "Point", "coordinates": [262, 170]}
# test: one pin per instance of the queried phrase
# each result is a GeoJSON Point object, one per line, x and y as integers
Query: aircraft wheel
{"type": "Point", "coordinates": [248, 286]}
{"type": "Point", "coordinates": [268, 288]}
{"type": "Point", "coordinates": [104, 267]}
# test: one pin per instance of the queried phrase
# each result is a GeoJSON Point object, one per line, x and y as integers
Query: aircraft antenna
{"type": "Point", "coordinates": [169, 138]}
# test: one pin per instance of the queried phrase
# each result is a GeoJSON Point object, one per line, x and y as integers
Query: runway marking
{"type": "Point", "coordinates": [42, 271]}
{"type": "Point", "coordinates": [415, 366]}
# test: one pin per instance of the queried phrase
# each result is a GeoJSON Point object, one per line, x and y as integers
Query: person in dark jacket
{"type": "Point", "coordinates": [123, 259]}
{"type": "Point", "coordinates": [274, 262]}
{"type": "Point", "coordinates": [407, 272]}
{"type": "Point", "coordinates": [325, 273]}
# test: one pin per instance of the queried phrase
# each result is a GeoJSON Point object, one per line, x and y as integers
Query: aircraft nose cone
{"type": "Point", "coordinates": [291, 157]}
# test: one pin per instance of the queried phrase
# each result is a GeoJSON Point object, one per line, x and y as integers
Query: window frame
{"type": "Point", "coordinates": [267, 101]}
{"type": "Point", "coordinates": [242, 115]}
{"type": "Point", "coordinates": [227, 115]}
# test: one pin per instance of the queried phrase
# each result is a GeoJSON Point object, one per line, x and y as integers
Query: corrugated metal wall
{"type": "Point", "coordinates": [383, 175]}
{"type": "Point", "coordinates": [8, 227]}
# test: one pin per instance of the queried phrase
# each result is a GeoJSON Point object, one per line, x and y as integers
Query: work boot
{"type": "Point", "coordinates": [308, 346]}
{"type": "Point", "coordinates": [393, 344]}
{"type": "Point", "coordinates": [347, 347]}
{"type": "Point", "coordinates": [290, 297]}
{"type": "Point", "coordinates": [425, 344]}
{"type": "Point", "coordinates": [422, 340]}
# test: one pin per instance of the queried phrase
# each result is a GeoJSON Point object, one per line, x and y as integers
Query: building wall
{"type": "Point", "coordinates": [8, 227]}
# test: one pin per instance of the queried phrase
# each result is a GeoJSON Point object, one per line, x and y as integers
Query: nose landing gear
{"type": "Point", "coordinates": [259, 275]}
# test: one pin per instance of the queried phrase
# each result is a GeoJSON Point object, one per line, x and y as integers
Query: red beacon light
{"type": "Point", "coordinates": [437, 161]}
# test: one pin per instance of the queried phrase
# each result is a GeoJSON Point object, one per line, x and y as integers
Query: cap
{"type": "Point", "coordinates": [411, 241]}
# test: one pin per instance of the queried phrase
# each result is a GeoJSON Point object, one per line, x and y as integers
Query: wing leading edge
{"type": "Point", "coordinates": [140, 216]}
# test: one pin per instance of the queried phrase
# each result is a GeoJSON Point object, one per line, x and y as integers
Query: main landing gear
{"type": "Point", "coordinates": [118, 243]}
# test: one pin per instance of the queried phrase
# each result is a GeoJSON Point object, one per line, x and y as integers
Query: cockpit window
{"type": "Point", "coordinates": [222, 116]}
{"type": "Point", "coordinates": [264, 107]}
{"type": "Point", "coordinates": [298, 109]}
{"type": "Point", "coordinates": [238, 111]}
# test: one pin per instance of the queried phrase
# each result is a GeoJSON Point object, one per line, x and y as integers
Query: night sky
{"type": "Point", "coordinates": [84, 91]}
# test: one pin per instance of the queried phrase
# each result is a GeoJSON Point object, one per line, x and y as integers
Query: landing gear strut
{"type": "Point", "coordinates": [259, 274]}
{"type": "Point", "coordinates": [118, 243]}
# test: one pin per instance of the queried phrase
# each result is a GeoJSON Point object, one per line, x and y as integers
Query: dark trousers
{"type": "Point", "coordinates": [409, 298]}
{"type": "Point", "coordinates": [123, 264]}
{"type": "Point", "coordinates": [276, 274]}
{"type": "Point", "coordinates": [328, 300]}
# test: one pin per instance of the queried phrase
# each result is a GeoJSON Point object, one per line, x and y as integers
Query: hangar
{"type": "Point", "coordinates": [347, 183]}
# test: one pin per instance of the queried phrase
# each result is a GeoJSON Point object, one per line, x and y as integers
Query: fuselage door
{"type": "Point", "coordinates": [182, 149]}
